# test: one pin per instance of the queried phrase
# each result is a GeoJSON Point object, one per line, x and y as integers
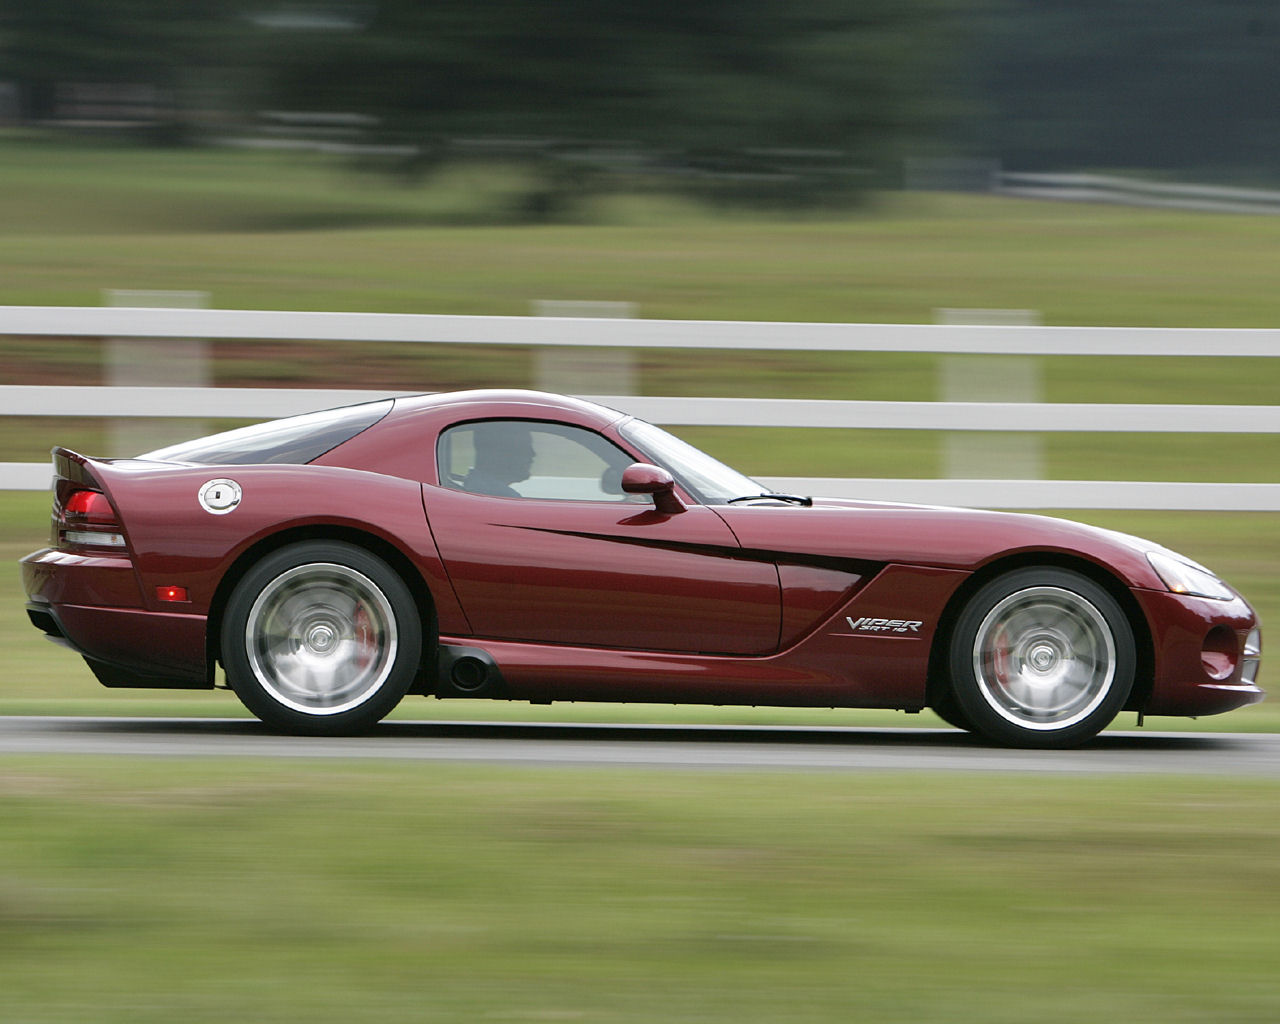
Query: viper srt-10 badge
{"type": "Point", "coordinates": [869, 625]}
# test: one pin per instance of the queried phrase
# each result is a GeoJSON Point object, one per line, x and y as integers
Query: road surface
{"type": "Point", "coordinates": [667, 746]}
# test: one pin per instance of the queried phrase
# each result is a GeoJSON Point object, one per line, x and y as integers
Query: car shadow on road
{"type": "Point", "coordinates": [609, 733]}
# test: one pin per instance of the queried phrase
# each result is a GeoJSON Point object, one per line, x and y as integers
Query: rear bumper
{"type": "Point", "coordinates": [92, 604]}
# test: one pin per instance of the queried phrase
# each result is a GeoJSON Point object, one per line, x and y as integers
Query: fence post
{"type": "Point", "coordinates": [970, 455]}
{"type": "Point", "coordinates": [154, 362]}
{"type": "Point", "coordinates": [585, 371]}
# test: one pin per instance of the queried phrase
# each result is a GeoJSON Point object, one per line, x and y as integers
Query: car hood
{"type": "Point", "coordinates": [933, 535]}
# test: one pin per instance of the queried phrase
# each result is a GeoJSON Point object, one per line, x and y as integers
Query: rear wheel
{"type": "Point", "coordinates": [321, 637]}
{"type": "Point", "coordinates": [1041, 658]}
{"type": "Point", "coordinates": [946, 708]}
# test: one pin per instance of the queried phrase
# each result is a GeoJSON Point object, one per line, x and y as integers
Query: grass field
{"type": "Point", "coordinates": [288, 232]}
{"type": "Point", "coordinates": [148, 891]}
{"type": "Point", "coordinates": [145, 891]}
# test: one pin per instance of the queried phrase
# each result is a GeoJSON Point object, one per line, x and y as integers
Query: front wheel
{"type": "Point", "coordinates": [321, 637]}
{"type": "Point", "coordinates": [1041, 658]}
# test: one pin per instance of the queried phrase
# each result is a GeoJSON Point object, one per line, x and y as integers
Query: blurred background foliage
{"type": "Point", "coordinates": [747, 101]}
{"type": "Point", "coordinates": [1184, 88]}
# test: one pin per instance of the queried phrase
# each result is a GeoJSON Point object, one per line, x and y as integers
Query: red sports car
{"type": "Point", "coordinates": [524, 546]}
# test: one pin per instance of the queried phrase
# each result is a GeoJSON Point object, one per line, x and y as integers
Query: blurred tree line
{"type": "Point", "coordinates": [745, 99]}
{"type": "Point", "coordinates": [1187, 86]}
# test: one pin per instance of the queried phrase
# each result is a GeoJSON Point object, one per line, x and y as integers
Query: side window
{"type": "Point", "coordinates": [532, 459]}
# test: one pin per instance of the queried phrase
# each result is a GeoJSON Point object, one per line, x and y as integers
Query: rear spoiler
{"type": "Point", "coordinates": [71, 465]}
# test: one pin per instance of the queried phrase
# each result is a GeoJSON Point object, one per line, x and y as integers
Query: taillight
{"type": "Point", "coordinates": [88, 519]}
{"type": "Point", "coordinates": [89, 507]}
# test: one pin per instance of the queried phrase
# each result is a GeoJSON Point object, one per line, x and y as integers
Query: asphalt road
{"type": "Point", "coordinates": [725, 748]}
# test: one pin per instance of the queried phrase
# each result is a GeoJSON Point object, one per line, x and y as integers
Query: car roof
{"type": "Point", "coordinates": [402, 443]}
{"type": "Point", "coordinates": [486, 402]}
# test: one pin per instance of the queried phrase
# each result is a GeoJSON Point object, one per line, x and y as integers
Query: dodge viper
{"type": "Point", "coordinates": [525, 546]}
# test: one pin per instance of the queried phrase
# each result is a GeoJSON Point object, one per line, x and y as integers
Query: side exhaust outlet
{"type": "Point", "coordinates": [467, 672]}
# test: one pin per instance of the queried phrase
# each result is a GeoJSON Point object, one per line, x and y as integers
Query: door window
{"type": "Point", "coordinates": [533, 459]}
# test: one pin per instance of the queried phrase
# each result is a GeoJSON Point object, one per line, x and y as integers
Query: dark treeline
{"type": "Point", "coordinates": [1187, 86]}
{"type": "Point", "coordinates": [750, 98]}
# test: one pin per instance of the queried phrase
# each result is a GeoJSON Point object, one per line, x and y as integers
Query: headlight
{"type": "Point", "coordinates": [1252, 656]}
{"type": "Point", "coordinates": [1183, 576]}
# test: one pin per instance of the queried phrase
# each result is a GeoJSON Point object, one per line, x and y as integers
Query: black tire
{"type": "Point", "coordinates": [946, 708]}
{"type": "Point", "coordinates": [321, 637]}
{"type": "Point", "coordinates": [1041, 657]}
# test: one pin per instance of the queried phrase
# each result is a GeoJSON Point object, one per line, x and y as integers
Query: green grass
{"type": "Point", "coordinates": [284, 232]}
{"type": "Point", "coordinates": [151, 891]}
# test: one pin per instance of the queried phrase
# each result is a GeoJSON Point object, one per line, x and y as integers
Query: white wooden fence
{"type": "Point", "coordinates": [1099, 188]}
{"type": "Point", "coordinates": [62, 322]}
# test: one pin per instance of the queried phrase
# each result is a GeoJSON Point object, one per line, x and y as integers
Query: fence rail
{"type": "Point", "coordinates": [1100, 188]}
{"type": "Point", "coordinates": [605, 332]}
{"type": "Point", "coordinates": [1040, 417]}
{"type": "Point", "coordinates": [253, 403]}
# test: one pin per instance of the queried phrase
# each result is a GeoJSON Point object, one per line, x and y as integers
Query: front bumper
{"type": "Point", "coordinates": [1198, 652]}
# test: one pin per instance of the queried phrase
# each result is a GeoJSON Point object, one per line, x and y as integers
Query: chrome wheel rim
{"type": "Point", "coordinates": [321, 638]}
{"type": "Point", "coordinates": [1044, 658]}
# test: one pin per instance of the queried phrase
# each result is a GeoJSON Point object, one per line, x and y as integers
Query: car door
{"type": "Point", "coordinates": [542, 545]}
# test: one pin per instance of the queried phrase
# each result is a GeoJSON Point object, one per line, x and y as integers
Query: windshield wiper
{"type": "Point", "coordinates": [794, 499]}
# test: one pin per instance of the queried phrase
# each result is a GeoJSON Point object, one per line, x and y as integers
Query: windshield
{"type": "Point", "coordinates": [707, 479]}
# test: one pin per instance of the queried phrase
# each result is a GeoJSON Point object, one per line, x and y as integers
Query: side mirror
{"type": "Point", "coordinates": [643, 478]}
